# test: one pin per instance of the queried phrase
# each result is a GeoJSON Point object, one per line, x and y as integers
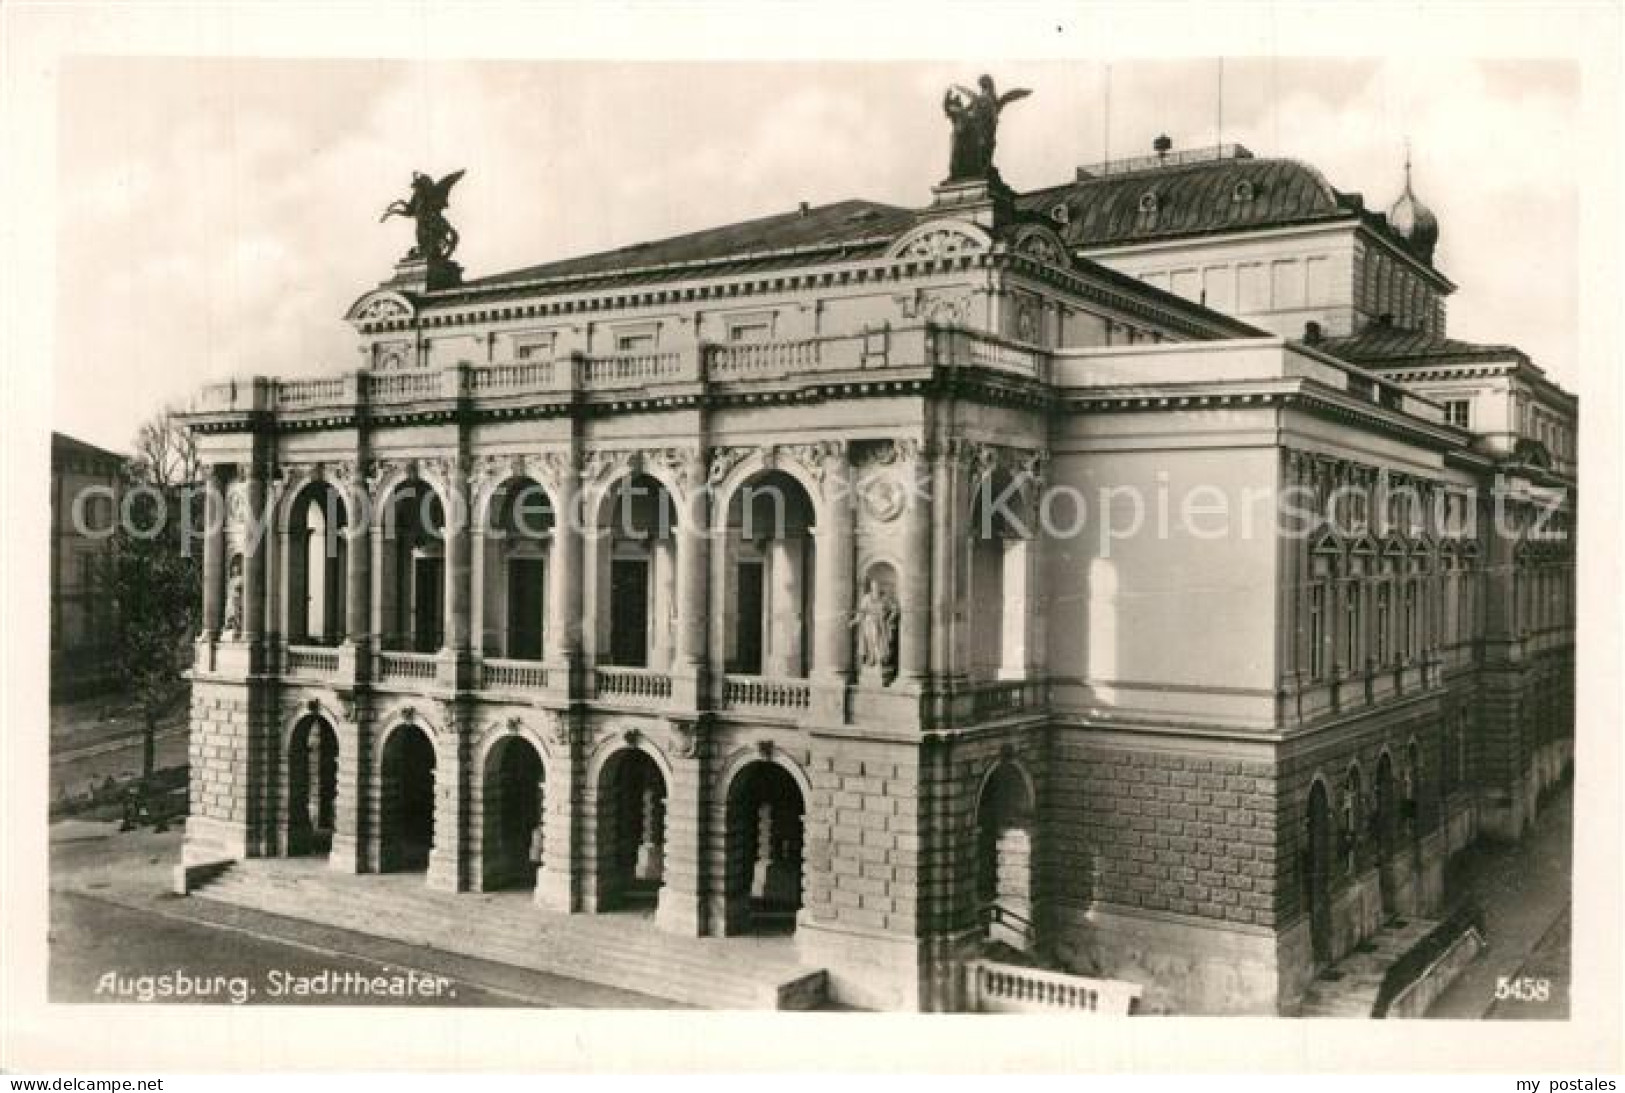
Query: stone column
{"type": "Point", "coordinates": [663, 608]}
{"type": "Point", "coordinates": [458, 570]}
{"type": "Point", "coordinates": [784, 567]}
{"type": "Point", "coordinates": [214, 555]}
{"type": "Point", "coordinates": [255, 531]}
{"type": "Point", "coordinates": [379, 580]}
{"type": "Point", "coordinates": [945, 541]}
{"type": "Point", "coordinates": [693, 560]}
{"type": "Point", "coordinates": [564, 581]}
{"type": "Point", "coordinates": [833, 581]}
{"type": "Point", "coordinates": [914, 644]}
{"type": "Point", "coordinates": [358, 588]}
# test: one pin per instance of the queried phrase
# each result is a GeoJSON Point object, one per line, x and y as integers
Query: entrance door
{"type": "Point", "coordinates": [407, 800]}
{"type": "Point", "coordinates": [629, 611]}
{"type": "Point", "coordinates": [428, 603]}
{"type": "Point", "coordinates": [748, 647]}
{"type": "Point", "coordinates": [1320, 874]}
{"type": "Point", "coordinates": [525, 584]}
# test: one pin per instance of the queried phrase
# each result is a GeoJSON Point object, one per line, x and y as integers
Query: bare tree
{"type": "Point", "coordinates": [165, 453]}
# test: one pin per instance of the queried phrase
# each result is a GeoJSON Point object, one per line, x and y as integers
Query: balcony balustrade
{"type": "Point", "coordinates": [312, 661]}
{"type": "Point", "coordinates": [406, 667]}
{"type": "Point", "coordinates": [789, 696]}
{"type": "Point", "coordinates": [513, 675]}
{"type": "Point", "coordinates": [879, 348]}
{"type": "Point", "coordinates": [637, 686]}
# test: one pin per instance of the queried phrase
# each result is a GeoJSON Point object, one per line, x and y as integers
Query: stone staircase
{"type": "Point", "coordinates": [1349, 988]}
{"type": "Point", "coordinates": [622, 950]}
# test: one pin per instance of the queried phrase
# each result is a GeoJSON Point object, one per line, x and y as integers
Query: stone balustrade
{"type": "Point", "coordinates": [513, 675]}
{"type": "Point", "coordinates": [881, 348]}
{"type": "Point", "coordinates": [415, 668]}
{"type": "Point", "coordinates": [641, 686]}
{"type": "Point", "coordinates": [1008, 988]}
{"type": "Point", "coordinates": [766, 694]}
{"type": "Point", "coordinates": [312, 661]}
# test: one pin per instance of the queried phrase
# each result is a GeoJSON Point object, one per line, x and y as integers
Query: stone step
{"type": "Point", "coordinates": [1350, 987]}
{"type": "Point", "coordinates": [623, 950]}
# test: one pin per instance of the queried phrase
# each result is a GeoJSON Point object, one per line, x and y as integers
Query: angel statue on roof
{"type": "Point", "coordinates": [436, 238]}
{"type": "Point", "coordinates": [975, 119]}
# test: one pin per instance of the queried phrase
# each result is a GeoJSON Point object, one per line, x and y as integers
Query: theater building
{"type": "Point", "coordinates": [786, 577]}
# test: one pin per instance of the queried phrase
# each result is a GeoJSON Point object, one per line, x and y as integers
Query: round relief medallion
{"type": "Point", "coordinates": [883, 496]}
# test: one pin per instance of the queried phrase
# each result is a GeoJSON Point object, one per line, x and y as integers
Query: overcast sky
{"type": "Point", "coordinates": [218, 216]}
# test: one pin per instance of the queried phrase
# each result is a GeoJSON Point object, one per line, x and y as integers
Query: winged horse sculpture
{"type": "Point", "coordinates": [436, 238]}
{"type": "Point", "coordinates": [975, 118]}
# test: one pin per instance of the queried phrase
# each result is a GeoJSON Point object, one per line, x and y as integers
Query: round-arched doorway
{"type": "Point", "coordinates": [512, 798]}
{"type": "Point", "coordinates": [765, 835]}
{"type": "Point", "coordinates": [313, 777]}
{"type": "Point", "coordinates": [406, 801]}
{"type": "Point", "coordinates": [1004, 865]}
{"type": "Point", "coordinates": [631, 832]}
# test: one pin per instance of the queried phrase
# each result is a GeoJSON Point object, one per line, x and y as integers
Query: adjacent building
{"type": "Point", "coordinates": [86, 485]}
{"type": "Point", "coordinates": [915, 579]}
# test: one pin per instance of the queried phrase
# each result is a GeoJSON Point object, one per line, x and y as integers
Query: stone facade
{"type": "Point", "coordinates": [905, 717]}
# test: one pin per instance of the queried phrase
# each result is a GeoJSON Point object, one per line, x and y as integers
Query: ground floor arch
{"type": "Point", "coordinates": [1004, 858]}
{"type": "Point", "coordinates": [406, 791]}
{"type": "Point", "coordinates": [313, 774]}
{"type": "Point", "coordinates": [631, 831]}
{"type": "Point", "coordinates": [1319, 858]}
{"type": "Point", "coordinates": [765, 819]}
{"type": "Point", "coordinates": [1385, 821]}
{"type": "Point", "coordinates": [512, 807]}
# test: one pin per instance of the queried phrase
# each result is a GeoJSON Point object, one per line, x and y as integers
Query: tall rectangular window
{"type": "Point", "coordinates": [1385, 593]}
{"type": "Point", "coordinates": [1352, 623]}
{"type": "Point", "coordinates": [1317, 632]}
{"type": "Point", "coordinates": [1410, 620]}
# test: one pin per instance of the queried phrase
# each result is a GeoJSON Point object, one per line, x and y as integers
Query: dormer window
{"type": "Point", "coordinates": [1149, 201]}
{"type": "Point", "coordinates": [1060, 213]}
{"type": "Point", "coordinates": [1243, 192]}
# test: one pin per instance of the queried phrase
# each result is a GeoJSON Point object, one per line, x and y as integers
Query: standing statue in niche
{"type": "Point", "coordinates": [436, 238]}
{"type": "Point", "coordinates": [975, 119]}
{"type": "Point", "coordinates": [233, 621]}
{"type": "Point", "coordinates": [876, 623]}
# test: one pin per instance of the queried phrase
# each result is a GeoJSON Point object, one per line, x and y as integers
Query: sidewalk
{"type": "Point", "coordinates": [1525, 893]}
{"type": "Point", "coordinates": [111, 910]}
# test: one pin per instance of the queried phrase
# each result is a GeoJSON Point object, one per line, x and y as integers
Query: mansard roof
{"type": "Point", "coordinates": [845, 229]}
{"type": "Point", "coordinates": [1380, 344]}
{"type": "Point", "coordinates": [1204, 192]}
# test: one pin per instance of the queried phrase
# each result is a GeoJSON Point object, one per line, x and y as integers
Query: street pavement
{"type": "Point", "coordinates": [117, 934]}
{"type": "Point", "coordinates": [1524, 890]}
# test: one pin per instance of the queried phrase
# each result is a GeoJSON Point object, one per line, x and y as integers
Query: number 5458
{"type": "Point", "coordinates": [1524, 988]}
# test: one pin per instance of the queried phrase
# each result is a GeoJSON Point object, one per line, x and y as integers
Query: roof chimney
{"type": "Point", "coordinates": [805, 208]}
{"type": "Point", "coordinates": [1162, 146]}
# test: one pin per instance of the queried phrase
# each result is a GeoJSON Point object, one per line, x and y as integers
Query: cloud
{"type": "Point", "coordinates": [220, 215]}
